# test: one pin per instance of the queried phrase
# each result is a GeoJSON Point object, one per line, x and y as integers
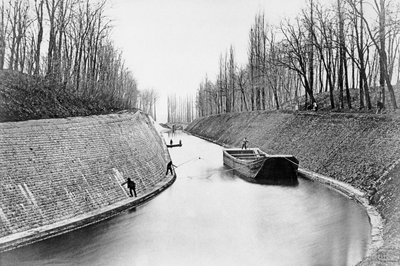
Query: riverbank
{"type": "Point", "coordinates": [62, 174]}
{"type": "Point", "coordinates": [357, 149]}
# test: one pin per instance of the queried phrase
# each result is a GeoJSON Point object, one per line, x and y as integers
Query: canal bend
{"type": "Point", "coordinates": [211, 217]}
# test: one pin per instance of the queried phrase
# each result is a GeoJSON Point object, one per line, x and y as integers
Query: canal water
{"type": "Point", "coordinates": [211, 217]}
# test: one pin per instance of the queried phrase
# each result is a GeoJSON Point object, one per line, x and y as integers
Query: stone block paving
{"type": "Point", "coordinates": [52, 170]}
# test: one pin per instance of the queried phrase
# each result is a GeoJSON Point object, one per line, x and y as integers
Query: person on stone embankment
{"type": "Point", "coordinates": [131, 186]}
{"type": "Point", "coordinates": [244, 143]}
{"type": "Point", "coordinates": [372, 196]}
{"type": "Point", "coordinates": [169, 168]}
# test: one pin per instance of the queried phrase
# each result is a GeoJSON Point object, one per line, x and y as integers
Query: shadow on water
{"type": "Point", "coordinates": [134, 209]}
{"type": "Point", "coordinates": [209, 216]}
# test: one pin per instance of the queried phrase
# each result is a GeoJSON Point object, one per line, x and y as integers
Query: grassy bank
{"type": "Point", "coordinates": [24, 97]}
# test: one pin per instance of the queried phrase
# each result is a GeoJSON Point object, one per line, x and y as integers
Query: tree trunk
{"type": "Point", "coordinates": [39, 17]}
{"type": "Point", "coordinates": [384, 75]}
{"type": "Point", "coordinates": [311, 52]}
{"type": "Point", "coordinates": [341, 55]}
{"type": "Point", "coordinates": [348, 96]}
{"type": "Point", "coordinates": [2, 37]}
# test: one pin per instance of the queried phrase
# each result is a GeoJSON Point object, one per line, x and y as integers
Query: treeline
{"type": "Point", "coordinates": [180, 109]}
{"type": "Point", "coordinates": [336, 49]}
{"type": "Point", "coordinates": [66, 42]}
{"type": "Point", "coordinates": [147, 102]}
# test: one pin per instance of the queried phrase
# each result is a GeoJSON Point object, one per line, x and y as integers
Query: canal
{"type": "Point", "coordinates": [211, 217]}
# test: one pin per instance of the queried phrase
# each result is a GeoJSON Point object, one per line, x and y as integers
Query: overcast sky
{"type": "Point", "coordinates": [170, 45]}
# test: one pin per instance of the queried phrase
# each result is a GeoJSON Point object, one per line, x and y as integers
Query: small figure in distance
{"type": "Point", "coordinates": [372, 197]}
{"type": "Point", "coordinates": [315, 106]}
{"type": "Point", "coordinates": [379, 107]}
{"type": "Point", "coordinates": [169, 168]}
{"type": "Point", "coordinates": [244, 143]}
{"type": "Point", "coordinates": [131, 186]}
{"type": "Point", "coordinates": [180, 142]}
{"type": "Point", "coordinates": [170, 142]}
{"type": "Point", "coordinates": [379, 103]}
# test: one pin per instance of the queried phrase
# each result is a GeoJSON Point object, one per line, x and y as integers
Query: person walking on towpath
{"type": "Point", "coordinates": [315, 106]}
{"type": "Point", "coordinates": [244, 144]}
{"type": "Point", "coordinates": [131, 186]}
{"type": "Point", "coordinates": [169, 168]}
{"type": "Point", "coordinates": [372, 196]}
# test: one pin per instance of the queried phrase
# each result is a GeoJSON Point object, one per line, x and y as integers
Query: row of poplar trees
{"type": "Point", "coordinates": [349, 49]}
{"type": "Point", "coordinates": [180, 109]}
{"type": "Point", "coordinates": [67, 41]}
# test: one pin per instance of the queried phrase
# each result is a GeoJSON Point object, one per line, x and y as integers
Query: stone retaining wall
{"type": "Point", "coordinates": [353, 148]}
{"type": "Point", "coordinates": [58, 169]}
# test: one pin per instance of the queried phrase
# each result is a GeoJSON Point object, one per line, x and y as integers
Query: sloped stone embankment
{"type": "Point", "coordinates": [358, 149]}
{"type": "Point", "coordinates": [60, 174]}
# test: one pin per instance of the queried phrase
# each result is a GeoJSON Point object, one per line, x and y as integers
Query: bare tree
{"type": "Point", "coordinates": [3, 29]}
{"type": "Point", "coordinates": [232, 79]}
{"type": "Point", "coordinates": [310, 46]}
{"type": "Point", "coordinates": [242, 83]}
{"type": "Point", "coordinates": [344, 41]}
{"type": "Point", "coordinates": [79, 54]}
{"type": "Point", "coordinates": [342, 56]}
{"type": "Point", "coordinates": [295, 47]}
{"type": "Point", "coordinates": [39, 21]}
{"type": "Point", "coordinates": [326, 45]}
{"type": "Point", "coordinates": [385, 75]}
{"type": "Point", "coordinates": [148, 99]}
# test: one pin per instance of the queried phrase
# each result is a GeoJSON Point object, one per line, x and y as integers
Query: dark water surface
{"type": "Point", "coordinates": [211, 217]}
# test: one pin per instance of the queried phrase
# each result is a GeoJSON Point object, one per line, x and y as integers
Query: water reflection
{"type": "Point", "coordinates": [211, 217]}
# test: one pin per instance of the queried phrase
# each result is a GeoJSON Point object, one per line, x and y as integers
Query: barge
{"type": "Point", "coordinates": [254, 165]}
